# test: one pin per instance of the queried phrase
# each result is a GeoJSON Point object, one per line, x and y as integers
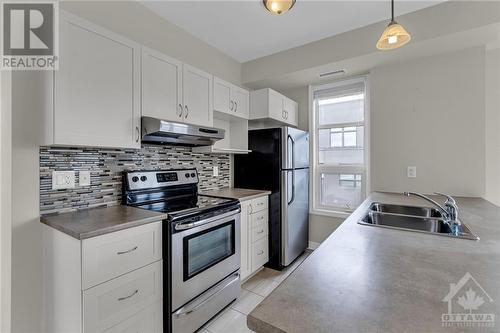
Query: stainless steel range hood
{"type": "Point", "coordinates": [162, 131]}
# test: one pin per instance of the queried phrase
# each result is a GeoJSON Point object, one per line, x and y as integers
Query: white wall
{"type": "Point", "coordinates": [27, 101]}
{"type": "Point", "coordinates": [493, 126]}
{"type": "Point", "coordinates": [131, 19]}
{"type": "Point", "coordinates": [5, 199]}
{"type": "Point", "coordinates": [430, 113]}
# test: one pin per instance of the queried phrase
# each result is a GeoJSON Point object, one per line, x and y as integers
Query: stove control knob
{"type": "Point", "coordinates": [144, 178]}
{"type": "Point", "coordinates": [193, 175]}
{"type": "Point", "coordinates": [187, 175]}
{"type": "Point", "coordinates": [135, 179]}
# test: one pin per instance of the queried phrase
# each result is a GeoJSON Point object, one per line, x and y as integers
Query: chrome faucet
{"type": "Point", "coordinates": [449, 211]}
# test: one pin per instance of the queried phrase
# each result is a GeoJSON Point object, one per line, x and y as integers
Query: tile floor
{"type": "Point", "coordinates": [233, 319]}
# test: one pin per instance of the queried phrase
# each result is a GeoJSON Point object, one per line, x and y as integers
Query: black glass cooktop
{"type": "Point", "coordinates": [198, 203]}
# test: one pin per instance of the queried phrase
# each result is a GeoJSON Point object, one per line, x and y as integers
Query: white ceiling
{"type": "Point", "coordinates": [244, 30]}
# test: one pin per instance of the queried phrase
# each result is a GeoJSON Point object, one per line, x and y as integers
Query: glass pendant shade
{"type": "Point", "coordinates": [394, 36]}
{"type": "Point", "coordinates": [278, 6]}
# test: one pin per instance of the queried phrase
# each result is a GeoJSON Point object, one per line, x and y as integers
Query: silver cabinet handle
{"type": "Point", "coordinates": [231, 105]}
{"type": "Point", "coordinates": [127, 297]}
{"type": "Point", "coordinates": [283, 114]}
{"type": "Point", "coordinates": [138, 132]}
{"type": "Point", "coordinates": [261, 231]}
{"type": "Point", "coordinates": [187, 111]}
{"type": "Point", "coordinates": [180, 111]}
{"type": "Point", "coordinates": [260, 253]}
{"type": "Point", "coordinates": [128, 251]}
{"type": "Point", "coordinates": [235, 106]}
{"type": "Point", "coordinates": [260, 218]}
{"type": "Point", "coordinates": [251, 208]}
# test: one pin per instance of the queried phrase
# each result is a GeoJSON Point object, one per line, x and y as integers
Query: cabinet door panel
{"type": "Point", "coordinates": [161, 86]}
{"type": "Point", "coordinates": [291, 109]}
{"type": "Point", "coordinates": [245, 240]}
{"type": "Point", "coordinates": [241, 99]}
{"type": "Point", "coordinates": [197, 95]}
{"type": "Point", "coordinates": [222, 96]}
{"type": "Point", "coordinates": [276, 105]}
{"type": "Point", "coordinates": [96, 87]}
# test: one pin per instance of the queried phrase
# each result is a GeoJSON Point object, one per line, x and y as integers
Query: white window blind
{"type": "Point", "coordinates": [339, 128]}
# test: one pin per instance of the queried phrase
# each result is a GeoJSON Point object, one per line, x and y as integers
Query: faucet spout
{"type": "Point", "coordinates": [438, 206]}
{"type": "Point", "coordinates": [449, 211]}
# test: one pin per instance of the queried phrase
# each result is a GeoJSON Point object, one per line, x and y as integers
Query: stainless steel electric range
{"type": "Point", "coordinates": [201, 245]}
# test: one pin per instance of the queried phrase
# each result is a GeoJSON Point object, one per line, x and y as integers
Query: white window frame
{"type": "Point", "coordinates": [315, 184]}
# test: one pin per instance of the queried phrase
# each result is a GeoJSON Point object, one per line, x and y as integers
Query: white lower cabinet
{"type": "Point", "coordinates": [148, 320]}
{"type": "Point", "coordinates": [254, 235]}
{"type": "Point", "coordinates": [114, 301]}
{"type": "Point", "coordinates": [108, 283]}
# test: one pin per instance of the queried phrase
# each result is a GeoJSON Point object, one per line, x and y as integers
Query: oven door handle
{"type": "Point", "coordinates": [190, 225]}
{"type": "Point", "coordinates": [218, 289]}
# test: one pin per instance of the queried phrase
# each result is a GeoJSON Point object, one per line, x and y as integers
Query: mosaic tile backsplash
{"type": "Point", "coordinates": [106, 166]}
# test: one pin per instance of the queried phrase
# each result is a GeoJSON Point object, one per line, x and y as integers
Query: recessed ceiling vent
{"type": "Point", "coordinates": [337, 72]}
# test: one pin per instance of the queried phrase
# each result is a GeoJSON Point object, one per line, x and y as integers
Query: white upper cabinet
{"type": "Point", "coordinates": [230, 99]}
{"type": "Point", "coordinates": [197, 96]}
{"type": "Point", "coordinates": [241, 99]}
{"type": "Point", "coordinates": [97, 87]}
{"type": "Point", "coordinates": [268, 104]}
{"type": "Point", "coordinates": [291, 109]}
{"type": "Point", "coordinates": [161, 86]}
{"type": "Point", "coordinates": [222, 96]}
{"type": "Point", "coordinates": [175, 91]}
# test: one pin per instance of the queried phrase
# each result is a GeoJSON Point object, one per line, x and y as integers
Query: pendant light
{"type": "Point", "coordinates": [394, 35]}
{"type": "Point", "coordinates": [278, 6]}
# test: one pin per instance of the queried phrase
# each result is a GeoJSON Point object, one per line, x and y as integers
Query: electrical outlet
{"type": "Point", "coordinates": [215, 170]}
{"type": "Point", "coordinates": [84, 178]}
{"type": "Point", "coordinates": [411, 172]}
{"type": "Point", "coordinates": [63, 179]}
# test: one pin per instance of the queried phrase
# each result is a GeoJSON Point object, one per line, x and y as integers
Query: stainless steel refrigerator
{"type": "Point", "coordinates": [279, 162]}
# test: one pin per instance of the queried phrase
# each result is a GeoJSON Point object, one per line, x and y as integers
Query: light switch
{"type": "Point", "coordinates": [84, 178]}
{"type": "Point", "coordinates": [63, 179]}
{"type": "Point", "coordinates": [215, 170]}
{"type": "Point", "coordinates": [411, 172]}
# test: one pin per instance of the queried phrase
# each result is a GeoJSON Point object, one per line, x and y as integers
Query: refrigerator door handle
{"type": "Point", "coordinates": [293, 169]}
{"type": "Point", "coordinates": [292, 154]}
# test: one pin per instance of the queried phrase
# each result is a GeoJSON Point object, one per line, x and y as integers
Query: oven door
{"type": "Point", "coordinates": [203, 254]}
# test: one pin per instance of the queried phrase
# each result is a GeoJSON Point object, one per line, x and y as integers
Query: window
{"type": "Point", "coordinates": [338, 129]}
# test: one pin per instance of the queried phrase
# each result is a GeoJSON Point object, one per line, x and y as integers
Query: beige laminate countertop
{"type": "Point", "coordinates": [368, 279]}
{"type": "Point", "coordinates": [237, 193]}
{"type": "Point", "coordinates": [99, 221]}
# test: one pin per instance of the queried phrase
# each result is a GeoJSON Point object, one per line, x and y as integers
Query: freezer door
{"type": "Point", "coordinates": [295, 148]}
{"type": "Point", "coordinates": [294, 214]}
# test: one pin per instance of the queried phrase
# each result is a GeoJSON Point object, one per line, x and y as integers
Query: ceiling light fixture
{"type": "Point", "coordinates": [278, 6]}
{"type": "Point", "coordinates": [394, 35]}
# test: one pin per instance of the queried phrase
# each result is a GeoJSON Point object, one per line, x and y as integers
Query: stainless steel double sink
{"type": "Point", "coordinates": [412, 218]}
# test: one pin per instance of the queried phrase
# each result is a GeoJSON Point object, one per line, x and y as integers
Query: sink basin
{"type": "Point", "coordinates": [405, 210]}
{"type": "Point", "coordinates": [411, 218]}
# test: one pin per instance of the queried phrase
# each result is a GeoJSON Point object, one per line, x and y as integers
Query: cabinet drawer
{"type": "Point", "coordinates": [259, 217]}
{"type": "Point", "coordinates": [259, 204]}
{"type": "Point", "coordinates": [111, 255]}
{"type": "Point", "coordinates": [259, 231]}
{"type": "Point", "coordinates": [117, 300]}
{"type": "Point", "coordinates": [148, 320]}
{"type": "Point", "coordinates": [260, 253]}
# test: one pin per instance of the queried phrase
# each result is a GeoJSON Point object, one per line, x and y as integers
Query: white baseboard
{"type": "Point", "coordinates": [313, 245]}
